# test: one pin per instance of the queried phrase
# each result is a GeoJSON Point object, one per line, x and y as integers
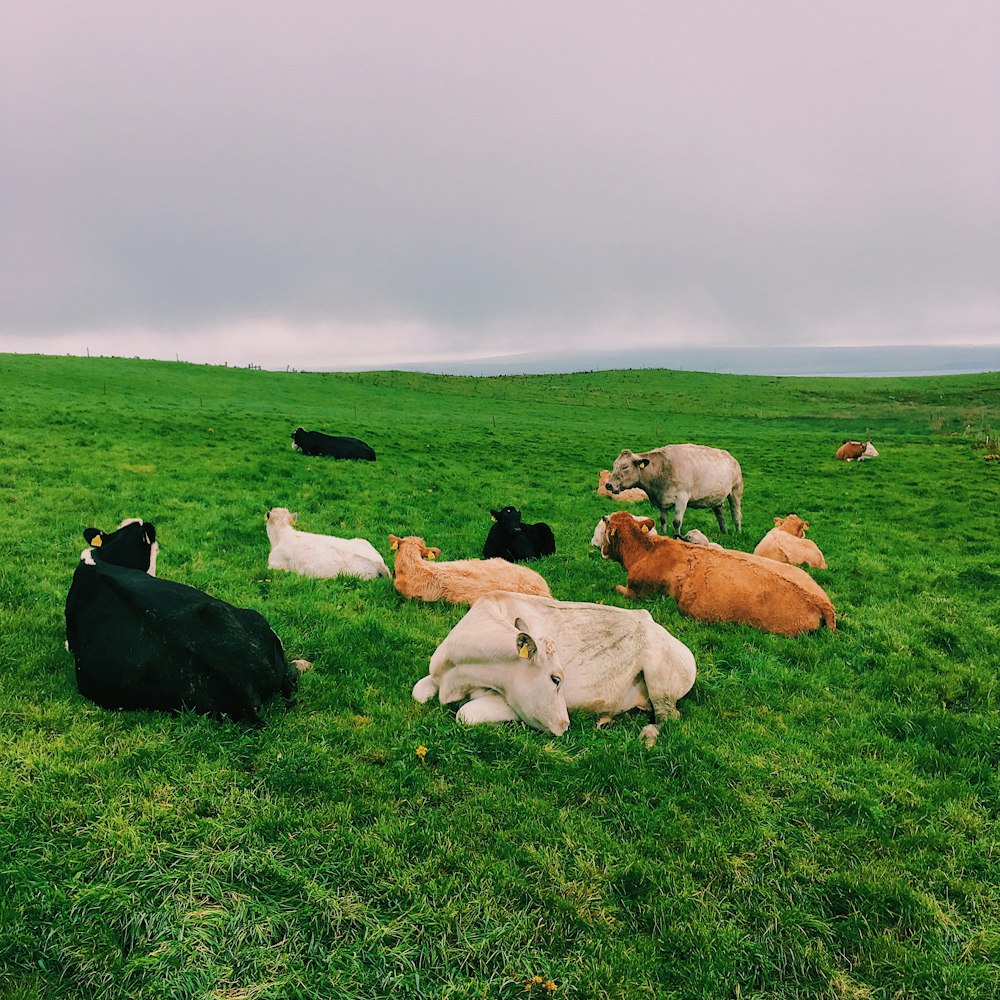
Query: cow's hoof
{"type": "Point", "coordinates": [605, 721]}
{"type": "Point", "coordinates": [649, 734]}
{"type": "Point", "coordinates": [425, 689]}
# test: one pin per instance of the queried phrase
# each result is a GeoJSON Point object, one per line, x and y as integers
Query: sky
{"type": "Point", "coordinates": [324, 184]}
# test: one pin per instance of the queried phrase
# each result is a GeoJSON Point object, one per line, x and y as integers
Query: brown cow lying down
{"type": "Point", "coordinates": [714, 585]}
{"type": "Point", "coordinates": [786, 542]}
{"type": "Point", "coordinates": [461, 582]}
{"type": "Point", "coordinates": [634, 495]}
{"type": "Point", "coordinates": [856, 451]}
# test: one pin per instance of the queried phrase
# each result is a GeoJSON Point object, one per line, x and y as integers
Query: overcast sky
{"type": "Point", "coordinates": [340, 183]}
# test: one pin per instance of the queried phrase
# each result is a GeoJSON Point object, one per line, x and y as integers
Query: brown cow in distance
{"type": "Point", "coordinates": [634, 495]}
{"type": "Point", "coordinates": [716, 585]}
{"type": "Point", "coordinates": [851, 451]}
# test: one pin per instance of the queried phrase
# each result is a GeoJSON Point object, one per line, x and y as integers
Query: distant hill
{"type": "Point", "coordinates": [883, 361]}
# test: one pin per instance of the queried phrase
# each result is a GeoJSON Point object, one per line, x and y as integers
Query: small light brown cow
{"type": "Point", "coordinates": [463, 581]}
{"type": "Point", "coordinates": [634, 495]}
{"type": "Point", "coordinates": [786, 542]}
{"type": "Point", "coordinates": [852, 451]}
{"type": "Point", "coordinates": [713, 585]}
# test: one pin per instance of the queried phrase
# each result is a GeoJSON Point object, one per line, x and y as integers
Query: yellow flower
{"type": "Point", "coordinates": [551, 986]}
{"type": "Point", "coordinates": [421, 752]}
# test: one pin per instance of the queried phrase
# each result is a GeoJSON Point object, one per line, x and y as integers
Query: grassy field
{"type": "Point", "coordinates": [821, 822]}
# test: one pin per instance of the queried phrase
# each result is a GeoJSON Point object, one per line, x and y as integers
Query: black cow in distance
{"type": "Point", "coordinates": [331, 446]}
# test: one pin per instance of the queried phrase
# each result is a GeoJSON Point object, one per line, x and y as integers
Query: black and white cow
{"type": "Point", "coordinates": [144, 643]}
{"type": "Point", "coordinates": [318, 443]}
{"type": "Point", "coordinates": [514, 541]}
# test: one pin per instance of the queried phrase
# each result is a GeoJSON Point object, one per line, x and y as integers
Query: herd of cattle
{"type": "Point", "coordinates": [140, 642]}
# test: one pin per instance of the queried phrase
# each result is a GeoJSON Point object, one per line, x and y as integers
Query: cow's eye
{"type": "Point", "coordinates": [556, 679]}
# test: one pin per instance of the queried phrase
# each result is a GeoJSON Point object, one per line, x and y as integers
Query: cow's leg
{"type": "Point", "coordinates": [736, 506]}
{"type": "Point", "coordinates": [486, 708]}
{"type": "Point", "coordinates": [425, 689]}
{"type": "Point", "coordinates": [637, 587]}
{"type": "Point", "coordinates": [680, 505]}
{"type": "Point", "coordinates": [720, 517]}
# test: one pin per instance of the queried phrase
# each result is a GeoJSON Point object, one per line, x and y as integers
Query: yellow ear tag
{"type": "Point", "coordinates": [145, 538]}
{"type": "Point", "coordinates": [523, 652]}
{"type": "Point", "coordinates": [645, 528]}
{"type": "Point", "coordinates": [394, 545]}
{"type": "Point", "coordinates": [96, 542]}
{"type": "Point", "coordinates": [430, 555]}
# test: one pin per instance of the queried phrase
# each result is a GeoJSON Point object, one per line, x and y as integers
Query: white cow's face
{"type": "Point", "coordinates": [528, 675]}
{"type": "Point", "coordinates": [626, 471]}
{"type": "Point", "coordinates": [601, 531]}
{"type": "Point", "coordinates": [533, 685]}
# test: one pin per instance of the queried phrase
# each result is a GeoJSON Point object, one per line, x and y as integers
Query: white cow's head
{"type": "Point", "coordinates": [529, 679]}
{"type": "Point", "coordinates": [601, 530]}
{"type": "Point", "coordinates": [627, 471]}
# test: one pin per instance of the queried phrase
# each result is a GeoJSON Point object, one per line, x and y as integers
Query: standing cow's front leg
{"type": "Point", "coordinates": [486, 708]}
{"type": "Point", "coordinates": [680, 505]}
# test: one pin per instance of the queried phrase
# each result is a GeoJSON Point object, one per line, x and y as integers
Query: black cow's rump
{"type": "Point", "coordinates": [143, 643]}
{"type": "Point", "coordinates": [514, 541]}
{"type": "Point", "coordinates": [331, 446]}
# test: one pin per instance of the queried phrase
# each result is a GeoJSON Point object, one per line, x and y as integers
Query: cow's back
{"type": "Point", "coordinates": [699, 470]}
{"type": "Point", "coordinates": [601, 647]}
{"type": "Point", "coordinates": [143, 643]}
{"type": "Point", "coordinates": [738, 587]}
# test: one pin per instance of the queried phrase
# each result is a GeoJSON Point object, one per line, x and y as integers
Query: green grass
{"type": "Point", "coordinates": [822, 822]}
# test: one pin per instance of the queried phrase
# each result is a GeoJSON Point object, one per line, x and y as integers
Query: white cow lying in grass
{"type": "Point", "coordinates": [528, 658]}
{"type": "Point", "coordinates": [601, 531]}
{"type": "Point", "coordinates": [319, 555]}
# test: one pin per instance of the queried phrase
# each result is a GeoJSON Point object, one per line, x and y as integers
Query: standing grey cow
{"type": "Point", "coordinates": [682, 476]}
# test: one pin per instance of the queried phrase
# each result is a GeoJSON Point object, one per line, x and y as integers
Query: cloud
{"type": "Point", "coordinates": [448, 177]}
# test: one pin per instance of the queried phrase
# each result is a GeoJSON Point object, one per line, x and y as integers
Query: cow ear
{"type": "Point", "coordinates": [647, 524]}
{"type": "Point", "coordinates": [94, 536]}
{"type": "Point", "coordinates": [526, 647]}
{"type": "Point", "coordinates": [431, 552]}
{"type": "Point", "coordinates": [393, 542]}
{"type": "Point", "coordinates": [778, 520]}
{"type": "Point", "coordinates": [148, 532]}
{"type": "Point", "coordinates": [805, 525]}
{"type": "Point", "coordinates": [292, 518]}
{"type": "Point", "coordinates": [642, 463]}
{"type": "Point", "coordinates": [494, 513]}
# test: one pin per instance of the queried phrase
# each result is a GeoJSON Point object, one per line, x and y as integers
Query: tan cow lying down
{"type": "Point", "coordinates": [713, 585]}
{"type": "Point", "coordinates": [634, 495]}
{"type": "Point", "coordinates": [461, 582]}
{"type": "Point", "coordinates": [786, 542]}
{"type": "Point", "coordinates": [532, 658]}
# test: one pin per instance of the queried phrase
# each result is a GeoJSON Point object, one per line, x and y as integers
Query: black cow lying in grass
{"type": "Point", "coordinates": [511, 540]}
{"type": "Point", "coordinates": [318, 443]}
{"type": "Point", "coordinates": [144, 643]}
